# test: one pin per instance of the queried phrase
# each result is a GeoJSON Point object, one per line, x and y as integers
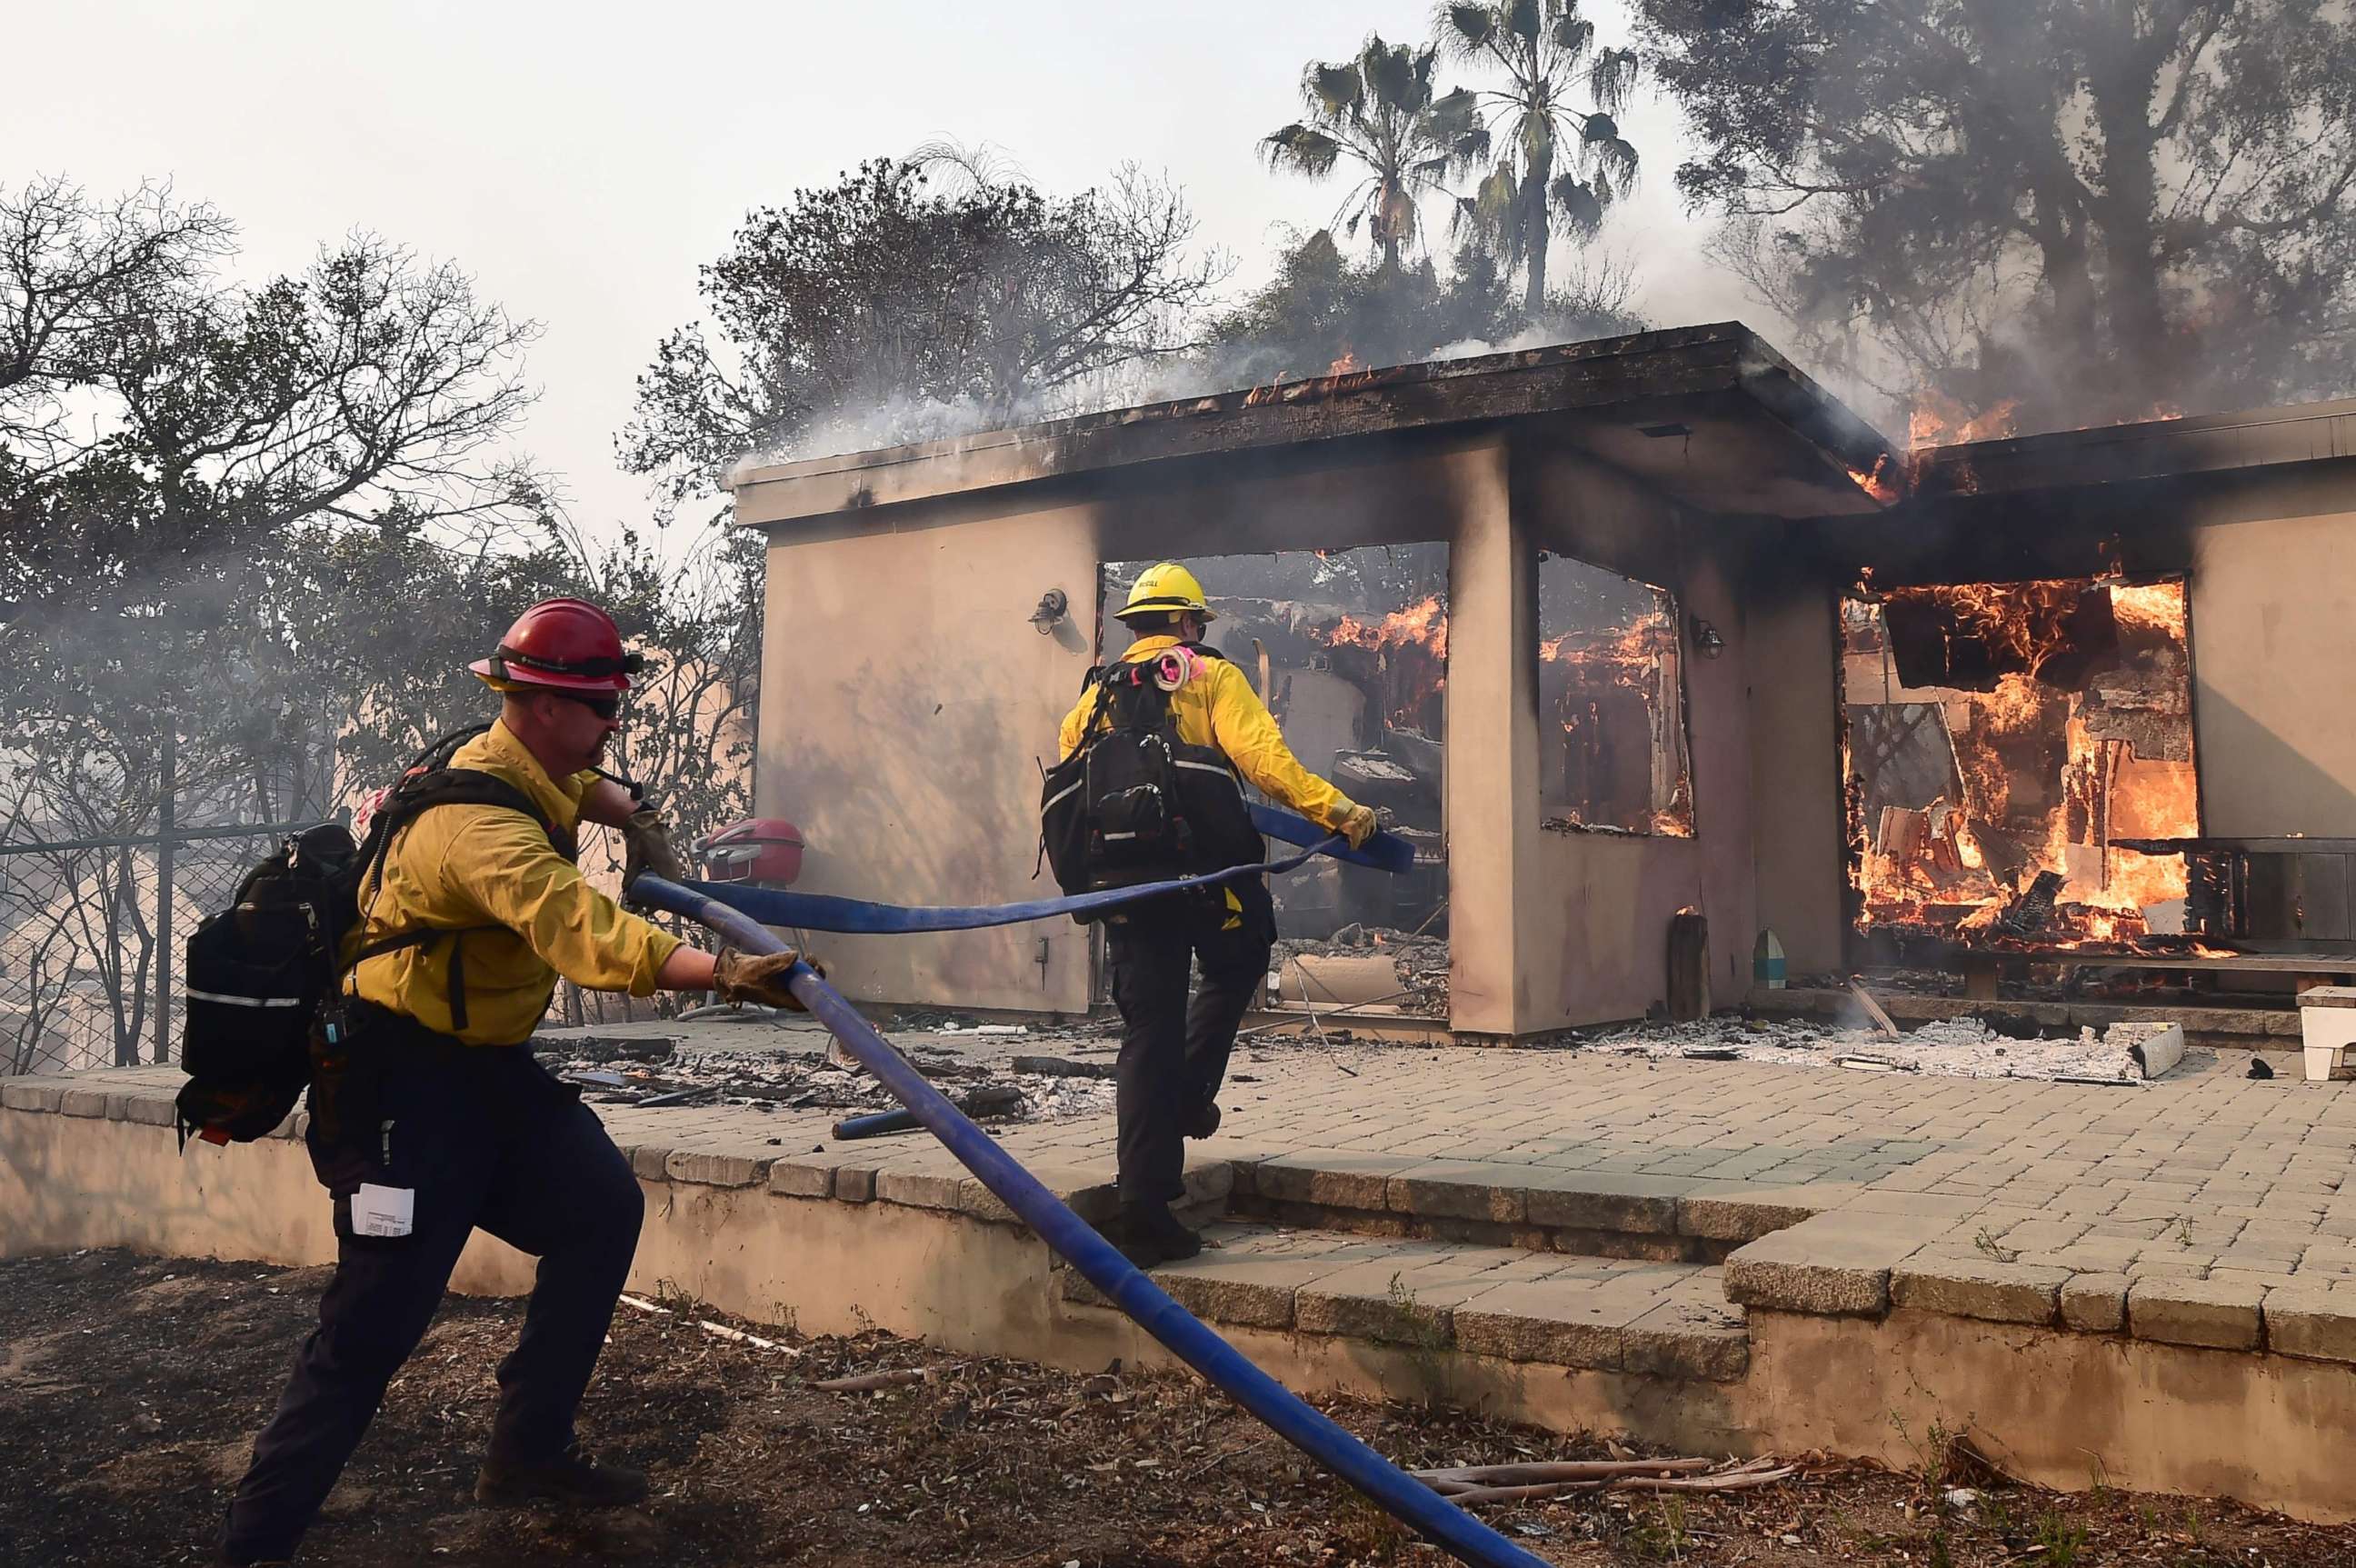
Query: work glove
{"type": "Point", "coordinates": [1357, 825]}
{"type": "Point", "coordinates": [741, 977]}
{"type": "Point", "coordinates": [647, 847]}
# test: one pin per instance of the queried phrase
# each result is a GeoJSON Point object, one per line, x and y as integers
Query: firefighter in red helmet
{"type": "Point", "coordinates": [430, 1118]}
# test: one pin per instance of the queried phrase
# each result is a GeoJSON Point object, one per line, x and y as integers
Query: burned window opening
{"type": "Point", "coordinates": [1349, 650]}
{"type": "Point", "coordinates": [2004, 744]}
{"type": "Point", "coordinates": [1612, 746]}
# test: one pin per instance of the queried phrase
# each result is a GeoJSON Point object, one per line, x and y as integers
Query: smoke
{"type": "Point", "coordinates": [1209, 370]}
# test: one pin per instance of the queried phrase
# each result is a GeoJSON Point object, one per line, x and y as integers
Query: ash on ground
{"type": "Point", "coordinates": [1955, 1047]}
{"type": "Point", "coordinates": [652, 1073]}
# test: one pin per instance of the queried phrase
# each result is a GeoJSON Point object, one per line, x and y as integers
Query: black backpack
{"type": "Point", "coordinates": [259, 971]}
{"type": "Point", "coordinates": [1134, 803]}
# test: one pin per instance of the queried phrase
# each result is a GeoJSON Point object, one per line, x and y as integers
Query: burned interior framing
{"type": "Point", "coordinates": [2006, 743]}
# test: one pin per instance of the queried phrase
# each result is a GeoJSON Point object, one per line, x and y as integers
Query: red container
{"type": "Point", "coordinates": [767, 850]}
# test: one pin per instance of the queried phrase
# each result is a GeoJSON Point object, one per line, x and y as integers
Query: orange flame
{"type": "Point", "coordinates": [1885, 483]}
{"type": "Point", "coordinates": [1425, 624]}
{"type": "Point", "coordinates": [2042, 779]}
{"type": "Point", "coordinates": [1938, 419]}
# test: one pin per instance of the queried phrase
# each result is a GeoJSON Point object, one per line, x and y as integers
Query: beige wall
{"type": "Point", "coordinates": [1491, 693]}
{"type": "Point", "coordinates": [2274, 645]}
{"type": "Point", "coordinates": [907, 708]}
{"type": "Point", "coordinates": [1594, 908]}
{"type": "Point", "coordinates": [1799, 853]}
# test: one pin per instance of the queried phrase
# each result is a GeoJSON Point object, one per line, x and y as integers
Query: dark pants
{"type": "Point", "coordinates": [1173, 1055]}
{"type": "Point", "coordinates": [485, 1138]}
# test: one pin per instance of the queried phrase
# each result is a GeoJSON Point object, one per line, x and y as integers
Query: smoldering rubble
{"type": "Point", "coordinates": [1956, 1048]}
{"type": "Point", "coordinates": [654, 1073]}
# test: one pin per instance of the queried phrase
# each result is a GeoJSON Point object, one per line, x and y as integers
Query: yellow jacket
{"type": "Point", "coordinates": [1218, 708]}
{"type": "Point", "coordinates": [483, 865]}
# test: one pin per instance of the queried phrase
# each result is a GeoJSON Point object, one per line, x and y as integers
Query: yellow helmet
{"type": "Point", "coordinates": [1166, 589]}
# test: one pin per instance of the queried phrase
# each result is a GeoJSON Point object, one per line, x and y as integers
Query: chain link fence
{"type": "Point", "coordinates": [93, 933]}
{"type": "Point", "coordinates": [91, 936]}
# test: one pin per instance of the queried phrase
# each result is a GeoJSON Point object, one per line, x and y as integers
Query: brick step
{"type": "Point", "coordinates": [1616, 1315]}
{"type": "Point", "coordinates": [1595, 1214]}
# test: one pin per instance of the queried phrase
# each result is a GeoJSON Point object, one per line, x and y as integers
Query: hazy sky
{"type": "Point", "coordinates": [581, 160]}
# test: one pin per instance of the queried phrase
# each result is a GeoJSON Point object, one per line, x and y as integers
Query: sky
{"type": "Point", "coordinates": [581, 161]}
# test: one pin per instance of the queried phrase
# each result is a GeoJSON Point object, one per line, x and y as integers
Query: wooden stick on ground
{"type": "Point", "coordinates": [1474, 1483]}
{"type": "Point", "coordinates": [1564, 1470]}
{"type": "Point", "coordinates": [862, 1382]}
{"type": "Point", "coordinates": [722, 1331]}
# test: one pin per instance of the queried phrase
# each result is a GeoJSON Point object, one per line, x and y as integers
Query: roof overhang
{"type": "Point", "coordinates": [2155, 449]}
{"type": "Point", "coordinates": [1711, 416]}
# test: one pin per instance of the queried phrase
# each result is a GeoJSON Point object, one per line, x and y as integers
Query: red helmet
{"type": "Point", "coordinates": [565, 645]}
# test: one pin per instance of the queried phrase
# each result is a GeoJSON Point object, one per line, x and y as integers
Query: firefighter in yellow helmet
{"type": "Point", "coordinates": [1173, 1054]}
{"type": "Point", "coordinates": [430, 1118]}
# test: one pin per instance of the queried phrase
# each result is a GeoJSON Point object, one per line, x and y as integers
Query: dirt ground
{"type": "Point", "coordinates": [131, 1387]}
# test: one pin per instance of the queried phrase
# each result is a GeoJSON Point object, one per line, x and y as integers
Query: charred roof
{"type": "Point", "coordinates": [1710, 415]}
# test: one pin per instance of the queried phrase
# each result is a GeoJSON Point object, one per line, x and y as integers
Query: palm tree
{"type": "Point", "coordinates": [1378, 111]}
{"type": "Point", "coordinates": [1546, 50]}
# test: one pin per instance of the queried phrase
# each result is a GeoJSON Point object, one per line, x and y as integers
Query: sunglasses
{"type": "Point", "coordinates": [606, 705]}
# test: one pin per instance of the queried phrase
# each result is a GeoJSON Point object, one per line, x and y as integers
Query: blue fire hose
{"type": "Point", "coordinates": [1398, 1493]}
{"type": "Point", "coordinates": [825, 912]}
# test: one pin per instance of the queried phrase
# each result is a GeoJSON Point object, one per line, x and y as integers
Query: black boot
{"type": "Point", "coordinates": [1150, 1234]}
{"type": "Point", "coordinates": [567, 1478]}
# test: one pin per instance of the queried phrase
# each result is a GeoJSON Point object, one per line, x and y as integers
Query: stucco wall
{"type": "Point", "coordinates": [907, 708]}
{"type": "Point", "coordinates": [1492, 608]}
{"type": "Point", "coordinates": [1594, 908]}
{"type": "Point", "coordinates": [2274, 642]}
{"type": "Point", "coordinates": [1797, 851]}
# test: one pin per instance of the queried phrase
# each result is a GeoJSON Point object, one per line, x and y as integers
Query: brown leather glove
{"type": "Point", "coordinates": [647, 847]}
{"type": "Point", "coordinates": [1357, 825]}
{"type": "Point", "coordinates": [743, 977]}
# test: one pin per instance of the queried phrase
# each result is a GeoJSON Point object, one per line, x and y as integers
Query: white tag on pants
{"type": "Point", "coordinates": [383, 1210]}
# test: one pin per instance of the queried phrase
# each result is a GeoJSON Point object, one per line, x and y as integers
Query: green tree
{"type": "Point", "coordinates": [1546, 52]}
{"type": "Point", "coordinates": [2082, 204]}
{"type": "Point", "coordinates": [1320, 307]}
{"type": "Point", "coordinates": [875, 311]}
{"type": "Point", "coordinates": [1377, 112]}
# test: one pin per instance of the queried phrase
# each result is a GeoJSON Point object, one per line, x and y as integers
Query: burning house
{"type": "Point", "coordinates": [2088, 684]}
{"type": "Point", "coordinates": [1617, 632]}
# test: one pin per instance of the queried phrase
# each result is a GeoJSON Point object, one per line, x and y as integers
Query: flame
{"type": "Point", "coordinates": [1885, 483]}
{"type": "Point", "coordinates": [1409, 649]}
{"type": "Point", "coordinates": [1343, 375]}
{"type": "Point", "coordinates": [1425, 624]}
{"type": "Point", "coordinates": [1640, 660]}
{"type": "Point", "coordinates": [1937, 420]}
{"type": "Point", "coordinates": [2044, 779]}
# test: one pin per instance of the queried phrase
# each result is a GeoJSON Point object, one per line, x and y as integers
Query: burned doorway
{"type": "Point", "coordinates": [1349, 650]}
{"type": "Point", "coordinates": [2003, 741]}
{"type": "Point", "coordinates": [1612, 750]}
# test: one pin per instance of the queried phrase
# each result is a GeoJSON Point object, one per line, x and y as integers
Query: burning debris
{"type": "Point", "coordinates": [2003, 740]}
{"type": "Point", "coordinates": [1611, 672]}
